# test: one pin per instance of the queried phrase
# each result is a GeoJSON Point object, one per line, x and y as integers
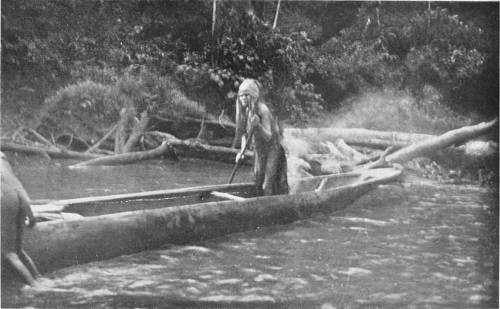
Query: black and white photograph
{"type": "Point", "coordinates": [249, 154]}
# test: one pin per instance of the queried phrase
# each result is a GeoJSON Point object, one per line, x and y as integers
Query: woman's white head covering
{"type": "Point", "coordinates": [249, 86]}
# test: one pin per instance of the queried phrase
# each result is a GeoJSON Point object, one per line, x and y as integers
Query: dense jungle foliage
{"type": "Point", "coordinates": [94, 56]}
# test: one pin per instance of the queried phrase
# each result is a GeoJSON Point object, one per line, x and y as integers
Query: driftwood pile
{"type": "Point", "coordinates": [334, 150]}
{"type": "Point", "coordinates": [127, 143]}
{"type": "Point", "coordinates": [310, 151]}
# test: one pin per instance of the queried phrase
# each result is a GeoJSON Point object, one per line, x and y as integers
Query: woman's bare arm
{"type": "Point", "coordinates": [263, 129]}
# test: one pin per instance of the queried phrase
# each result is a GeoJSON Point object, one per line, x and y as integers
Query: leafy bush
{"type": "Point", "coordinates": [93, 103]}
{"type": "Point", "coordinates": [86, 107]}
{"type": "Point", "coordinates": [158, 94]}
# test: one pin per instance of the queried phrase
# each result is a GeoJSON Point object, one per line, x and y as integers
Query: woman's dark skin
{"type": "Point", "coordinates": [269, 155]}
{"type": "Point", "coordinates": [15, 208]}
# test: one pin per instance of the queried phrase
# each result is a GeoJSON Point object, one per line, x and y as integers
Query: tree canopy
{"type": "Point", "coordinates": [319, 54]}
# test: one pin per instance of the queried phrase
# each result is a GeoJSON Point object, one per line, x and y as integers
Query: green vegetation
{"type": "Point", "coordinates": [79, 58]}
{"type": "Point", "coordinates": [94, 101]}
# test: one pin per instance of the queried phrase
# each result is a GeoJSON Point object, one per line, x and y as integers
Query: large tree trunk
{"type": "Point", "coordinates": [195, 149]}
{"type": "Point", "coordinates": [125, 158]}
{"type": "Point", "coordinates": [422, 148]}
{"type": "Point", "coordinates": [356, 137]}
{"type": "Point", "coordinates": [183, 148]}
{"type": "Point", "coordinates": [426, 147]}
{"type": "Point", "coordinates": [188, 127]}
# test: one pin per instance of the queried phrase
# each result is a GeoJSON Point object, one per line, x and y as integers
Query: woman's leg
{"type": "Point", "coordinates": [259, 172]}
{"type": "Point", "coordinates": [13, 259]}
{"type": "Point", "coordinates": [283, 178]}
{"type": "Point", "coordinates": [272, 170]}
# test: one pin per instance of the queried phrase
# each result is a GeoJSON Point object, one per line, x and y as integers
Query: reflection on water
{"type": "Point", "coordinates": [420, 244]}
{"type": "Point", "coordinates": [54, 180]}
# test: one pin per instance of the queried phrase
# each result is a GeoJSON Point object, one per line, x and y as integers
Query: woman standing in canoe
{"type": "Point", "coordinates": [255, 121]}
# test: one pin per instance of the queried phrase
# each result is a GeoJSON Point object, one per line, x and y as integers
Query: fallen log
{"type": "Point", "coordinates": [54, 152]}
{"type": "Point", "coordinates": [125, 158]}
{"type": "Point", "coordinates": [197, 122]}
{"type": "Point", "coordinates": [224, 142]}
{"type": "Point", "coordinates": [193, 148]}
{"type": "Point", "coordinates": [357, 137]}
{"type": "Point", "coordinates": [348, 151]}
{"type": "Point", "coordinates": [70, 141]}
{"type": "Point", "coordinates": [425, 147]}
{"type": "Point", "coordinates": [188, 127]}
{"type": "Point", "coordinates": [40, 138]}
{"type": "Point", "coordinates": [418, 149]}
{"type": "Point", "coordinates": [163, 135]}
{"type": "Point", "coordinates": [122, 128]}
{"type": "Point", "coordinates": [104, 138]}
{"type": "Point", "coordinates": [190, 148]}
{"type": "Point", "coordinates": [17, 132]}
{"type": "Point", "coordinates": [298, 168]}
{"type": "Point", "coordinates": [137, 131]}
{"type": "Point", "coordinates": [340, 158]}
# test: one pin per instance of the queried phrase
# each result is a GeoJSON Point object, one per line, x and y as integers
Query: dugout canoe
{"type": "Point", "coordinates": [128, 223]}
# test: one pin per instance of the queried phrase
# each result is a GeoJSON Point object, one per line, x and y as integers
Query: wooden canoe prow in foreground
{"type": "Point", "coordinates": [128, 223]}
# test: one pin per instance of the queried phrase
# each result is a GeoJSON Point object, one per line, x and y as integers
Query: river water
{"type": "Point", "coordinates": [416, 244]}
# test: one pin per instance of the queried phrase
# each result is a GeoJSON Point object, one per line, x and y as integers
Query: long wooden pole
{"type": "Point", "coordinates": [235, 168]}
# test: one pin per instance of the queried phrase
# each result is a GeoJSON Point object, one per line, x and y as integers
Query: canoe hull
{"type": "Point", "coordinates": [59, 244]}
